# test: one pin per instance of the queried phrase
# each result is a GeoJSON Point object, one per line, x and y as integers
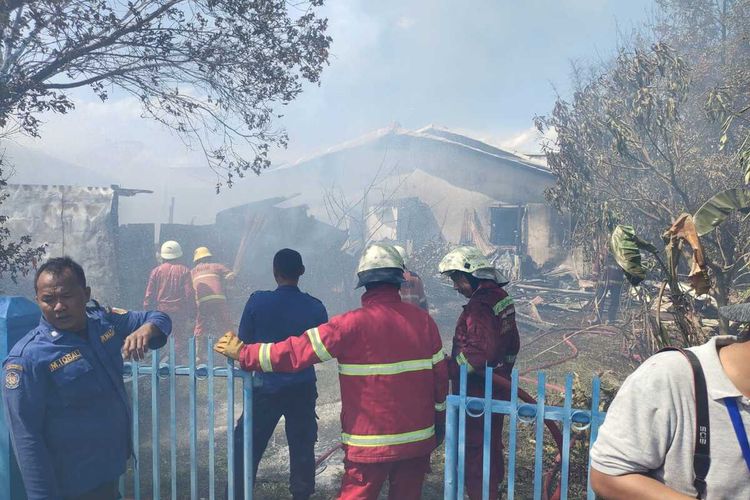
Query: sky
{"type": "Point", "coordinates": [484, 68]}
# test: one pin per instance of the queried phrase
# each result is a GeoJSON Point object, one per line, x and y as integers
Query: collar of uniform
{"type": "Point", "coordinates": [54, 334]}
{"type": "Point", "coordinates": [718, 384]}
{"type": "Point", "coordinates": [293, 288]}
{"type": "Point", "coordinates": [484, 291]}
{"type": "Point", "coordinates": [383, 293]}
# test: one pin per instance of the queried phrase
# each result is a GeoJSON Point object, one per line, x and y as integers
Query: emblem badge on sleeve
{"type": "Point", "coordinates": [12, 379]}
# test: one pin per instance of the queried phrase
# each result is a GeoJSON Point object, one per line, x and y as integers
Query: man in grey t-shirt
{"type": "Point", "coordinates": [645, 446]}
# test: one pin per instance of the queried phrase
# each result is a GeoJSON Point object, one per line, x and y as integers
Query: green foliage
{"type": "Point", "coordinates": [626, 249]}
{"type": "Point", "coordinates": [719, 207]}
{"type": "Point", "coordinates": [213, 71]}
{"type": "Point", "coordinates": [210, 70]}
{"type": "Point", "coordinates": [659, 130]}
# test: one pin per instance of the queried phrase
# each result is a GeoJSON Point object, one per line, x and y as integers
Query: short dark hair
{"type": "Point", "coordinates": [288, 263]}
{"type": "Point", "coordinates": [57, 265]}
{"type": "Point", "coordinates": [375, 284]}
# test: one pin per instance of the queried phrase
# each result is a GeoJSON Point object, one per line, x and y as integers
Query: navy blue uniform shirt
{"type": "Point", "coordinates": [66, 405]}
{"type": "Point", "coordinates": [273, 316]}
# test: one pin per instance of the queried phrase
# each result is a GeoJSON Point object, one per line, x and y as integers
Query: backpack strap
{"type": "Point", "coordinates": [702, 452]}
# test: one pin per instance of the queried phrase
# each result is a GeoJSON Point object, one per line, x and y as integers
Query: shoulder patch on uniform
{"type": "Point", "coordinates": [502, 305]}
{"type": "Point", "coordinates": [64, 360]}
{"type": "Point", "coordinates": [12, 378]}
{"type": "Point", "coordinates": [14, 366]}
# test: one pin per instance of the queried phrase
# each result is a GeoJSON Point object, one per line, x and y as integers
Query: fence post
{"type": "Point", "coordinates": [247, 422]}
{"type": "Point", "coordinates": [18, 316]}
{"type": "Point", "coordinates": [512, 436]}
{"type": "Point", "coordinates": [451, 447]}
{"type": "Point", "coordinates": [593, 431]}
{"type": "Point", "coordinates": [486, 450]}
{"type": "Point", "coordinates": [462, 433]}
{"type": "Point", "coordinates": [539, 436]}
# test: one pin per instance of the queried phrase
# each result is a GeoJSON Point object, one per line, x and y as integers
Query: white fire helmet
{"type": "Point", "coordinates": [380, 262]}
{"type": "Point", "coordinates": [402, 252]}
{"type": "Point", "coordinates": [472, 261]}
{"type": "Point", "coordinates": [170, 250]}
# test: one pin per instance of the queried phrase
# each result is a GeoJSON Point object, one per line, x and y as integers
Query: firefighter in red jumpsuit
{"type": "Point", "coordinates": [486, 335]}
{"type": "Point", "coordinates": [209, 281]}
{"type": "Point", "coordinates": [393, 375]}
{"type": "Point", "coordinates": [170, 290]}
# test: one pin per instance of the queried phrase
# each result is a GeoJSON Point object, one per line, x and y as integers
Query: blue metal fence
{"type": "Point", "coordinates": [572, 419]}
{"type": "Point", "coordinates": [165, 368]}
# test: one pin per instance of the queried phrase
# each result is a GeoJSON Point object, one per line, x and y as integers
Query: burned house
{"type": "Point", "coordinates": [411, 187]}
{"type": "Point", "coordinates": [418, 186]}
{"type": "Point", "coordinates": [247, 236]}
{"type": "Point", "coordinates": [83, 222]}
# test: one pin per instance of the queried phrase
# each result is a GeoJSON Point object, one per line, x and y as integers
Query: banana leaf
{"type": "Point", "coordinates": [717, 209]}
{"type": "Point", "coordinates": [626, 249]}
{"type": "Point", "coordinates": [684, 230]}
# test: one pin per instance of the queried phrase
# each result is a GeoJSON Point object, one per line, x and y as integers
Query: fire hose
{"type": "Point", "coordinates": [549, 476]}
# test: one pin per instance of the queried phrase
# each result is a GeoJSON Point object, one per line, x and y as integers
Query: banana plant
{"type": "Point", "coordinates": [718, 208]}
{"type": "Point", "coordinates": [626, 249]}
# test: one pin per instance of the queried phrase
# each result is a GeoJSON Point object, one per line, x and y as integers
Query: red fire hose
{"type": "Point", "coordinates": [325, 456]}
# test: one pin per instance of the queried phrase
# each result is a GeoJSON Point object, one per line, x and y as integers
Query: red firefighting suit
{"type": "Point", "coordinates": [394, 381]}
{"type": "Point", "coordinates": [170, 290]}
{"type": "Point", "coordinates": [213, 311]}
{"type": "Point", "coordinates": [412, 290]}
{"type": "Point", "coordinates": [486, 333]}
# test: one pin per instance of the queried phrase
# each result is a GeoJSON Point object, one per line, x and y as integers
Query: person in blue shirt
{"type": "Point", "coordinates": [64, 397]}
{"type": "Point", "coordinates": [273, 316]}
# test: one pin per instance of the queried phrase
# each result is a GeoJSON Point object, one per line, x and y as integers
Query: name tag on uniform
{"type": "Point", "coordinates": [65, 360]}
{"type": "Point", "coordinates": [107, 335]}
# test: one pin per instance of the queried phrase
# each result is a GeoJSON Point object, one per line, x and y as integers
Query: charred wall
{"type": "Point", "coordinates": [70, 220]}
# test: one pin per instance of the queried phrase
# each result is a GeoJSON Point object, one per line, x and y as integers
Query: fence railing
{"type": "Point", "coordinates": [18, 316]}
{"type": "Point", "coordinates": [519, 412]}
{"type": "Point", "coordinates": [165, 370]}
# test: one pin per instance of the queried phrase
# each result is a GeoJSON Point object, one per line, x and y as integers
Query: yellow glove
{"type": "Point", "coordinates": [229, 345]}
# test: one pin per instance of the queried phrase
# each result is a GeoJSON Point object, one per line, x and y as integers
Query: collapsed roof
{"type": "Point", "coordinates": [449, 172]}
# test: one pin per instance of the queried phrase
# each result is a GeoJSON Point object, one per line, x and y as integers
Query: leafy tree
{"type": "Point", "coordinates": [659, 130]}
{"type": "Point", "coordinates": [213, 71]}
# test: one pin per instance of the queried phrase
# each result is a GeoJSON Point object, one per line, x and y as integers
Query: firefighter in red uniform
{"type": "Point", "coordinates": [209, 280]}
{"type": "Point", "coordinates": [393, 375]}
{"type": "Point", "coordinates": [486, 335]}
{"type": "Point", "coordinates": [170, 290]}
{"type": "Point", "coordinates": [412, 289]}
